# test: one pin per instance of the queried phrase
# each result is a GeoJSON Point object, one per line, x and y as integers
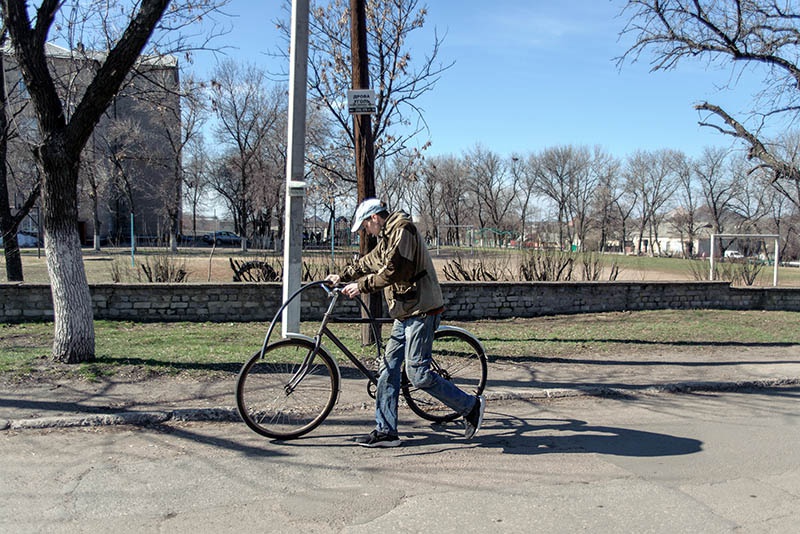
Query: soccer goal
{"type": "Point", "coordinates": [775, 238]}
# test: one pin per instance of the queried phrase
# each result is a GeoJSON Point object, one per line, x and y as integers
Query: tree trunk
{"type": "Point", "coordinates": [73, 341]}
{"type": "Point", "coordinates": [7, 227]}
{"type": "Point", "coordinates": [12, 255]}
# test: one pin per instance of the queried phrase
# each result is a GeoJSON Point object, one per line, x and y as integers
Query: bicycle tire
{"type": "Point", "coordinates": [457, 357]}
{"type": "Point", "coordinates": [262, 399]}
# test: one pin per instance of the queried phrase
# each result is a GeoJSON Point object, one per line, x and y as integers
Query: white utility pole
{"type": "Point", "coordinates": [295, 187]}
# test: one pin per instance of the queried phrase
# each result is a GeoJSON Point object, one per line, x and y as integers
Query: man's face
{"type": "Point", "coordinates": [372, 225]}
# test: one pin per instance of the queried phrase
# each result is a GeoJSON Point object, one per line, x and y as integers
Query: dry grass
{"type": "Point", "coordinates": [203, 266]}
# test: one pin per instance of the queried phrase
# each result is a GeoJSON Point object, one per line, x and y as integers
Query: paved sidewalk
{"type": "Point", "coordinates": [115, 401]}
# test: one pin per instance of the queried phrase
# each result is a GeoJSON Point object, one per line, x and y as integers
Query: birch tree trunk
{"type": "Point", "coordinates": [59, 155]}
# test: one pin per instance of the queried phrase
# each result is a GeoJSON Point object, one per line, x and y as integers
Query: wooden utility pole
{"type": "Point", "coordinates": [364, 143]}
{"type": "Point", "coordinates": [362, 123]}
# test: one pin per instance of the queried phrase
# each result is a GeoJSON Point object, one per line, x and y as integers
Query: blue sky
{"type": "Point", "coordinates": [533, 74]}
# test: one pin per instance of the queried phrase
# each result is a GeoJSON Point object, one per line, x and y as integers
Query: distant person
{"type": "Point", "coordinates": [401, 266]}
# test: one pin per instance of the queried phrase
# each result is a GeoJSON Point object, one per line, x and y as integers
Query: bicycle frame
{"type": "Point", "coordinates": [333, 294]}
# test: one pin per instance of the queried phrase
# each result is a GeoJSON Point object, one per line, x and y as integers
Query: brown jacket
{"type": "Point", "coordinates": [401, 266]}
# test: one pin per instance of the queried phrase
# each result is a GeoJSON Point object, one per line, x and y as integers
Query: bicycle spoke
{"type": "Point", "coordinates": [270, 406]}
{"type": "Point", "coordinates": [458, 358]}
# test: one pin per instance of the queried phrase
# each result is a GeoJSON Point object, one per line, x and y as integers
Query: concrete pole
{"type": "Point", "coordinates": [711, 258]}
{"type": "Point", "coordinates": [295, 165]}
{"type": "Point", "coordinates": [775, 264]}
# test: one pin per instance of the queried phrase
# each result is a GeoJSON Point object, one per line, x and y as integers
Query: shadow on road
{"type": "Point", "coordinates": [541, 436]}
{"type": "Point", "coordinates": [515, 435]}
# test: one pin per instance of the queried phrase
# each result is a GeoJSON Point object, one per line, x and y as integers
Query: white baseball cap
{"type": "Point", "coordinates": [367, 208]}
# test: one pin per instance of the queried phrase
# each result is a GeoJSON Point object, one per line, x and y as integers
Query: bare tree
{"type": "Point", "coordinates": [526, 181]}
{"type": "Point", "coordinates": [267, 189]}
{"type": "Point", "coordinates": [556, 171]}
{"type": "Point", "coordinates": [196, 170]}
{"type": "Point", "coordinates": [492, 187]}
{"type": "Point", "coordinates": [96, 179]}
{"type": "Point", "coordinates": [65, 130]}
{"type": "Point", "coordinates": [449, 202]}
{"type": "Point", "coordinates": [584, 189]}
{"type": "Point", "coordinates": [248, 112]}
{"type": "Point", "coordinates": [732, 33]}
{"type": "Point", "coordinates": [427, 193]}
{"type": "Point", "coordinates": [717, 182]}
{"type": "Point", "coordinates": [653, 176]}
{"type": "Point", "coordinates": [684, 216]}
{"type": "Point", "coordinates": [117, 156]}
{"type": "Point", "coordinates": [604, 203]}
{"type": "Point", "coordinates": [782, 220]}
{"type": "Point", "coordinates": [624, 206]}
{"type": "Point", "coordinates": [787, 149]}
{"type": "Point", "coordinates": [397, 79]}
{"type": "Point", "coordinates": [397, 178]}
{"type": "Point", "coordinates": [180, 121]}
{"type": "Point", "coordinates": [15, 152]}
{"type": "Point", "coordinates": [749, 202]}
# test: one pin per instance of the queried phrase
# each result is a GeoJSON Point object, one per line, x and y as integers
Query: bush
{"type": "Point", "coordinates": [558, 265]}
{"type": "Point", "coordinates": [478, 269]}
{"type": "Point", "coordinates": [163, 268]}
{"type": "Point", "coordinates": [739, 271]}
{"type": "Point", "coordinates": [120, 271]}
{"type": "Point", "coordinates": [254, 271]}
{"type": "Point", "coordinates": [271, 270]}
{"type": "Point", "coordinates": [546, 266]}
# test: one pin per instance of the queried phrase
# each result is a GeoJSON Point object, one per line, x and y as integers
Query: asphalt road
{"type": "Point", "coordinates": [701, 462]}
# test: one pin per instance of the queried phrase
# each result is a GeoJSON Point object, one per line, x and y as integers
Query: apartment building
{"type": "Point", "coordinates": [130, 168]}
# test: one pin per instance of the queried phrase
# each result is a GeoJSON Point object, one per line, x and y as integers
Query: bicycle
{"type": "Point", "coordinates": [289, 387]}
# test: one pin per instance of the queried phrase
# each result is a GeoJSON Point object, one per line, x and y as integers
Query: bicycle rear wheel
{"type": "Point", "coordinates": [457, 357]}
{"type": "Point", "coordinates": [269, 406]}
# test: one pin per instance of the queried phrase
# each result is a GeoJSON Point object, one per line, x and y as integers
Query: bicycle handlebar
{"type": "Point", "coordinates": [332, 291]}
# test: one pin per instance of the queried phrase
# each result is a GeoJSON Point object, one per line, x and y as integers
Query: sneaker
{"type": "Point", "coordinates": [473, 420]}
{"type": "Point", "coordinates": [378, 439]}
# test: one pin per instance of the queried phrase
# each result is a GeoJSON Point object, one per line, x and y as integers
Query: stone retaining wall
{"type": "Point", "coordinates": [465, 301]}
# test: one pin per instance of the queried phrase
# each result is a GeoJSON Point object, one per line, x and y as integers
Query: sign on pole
{"type": "Point", "coordinates": [361, 102]}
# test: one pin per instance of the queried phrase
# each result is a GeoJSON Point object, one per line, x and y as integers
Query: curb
{"type": "Point", "coordinates": [123, 418]}
{"type": "Point", "coordinates": [674, 388]}
{"type": "Point", "coordinates": [227, 414]}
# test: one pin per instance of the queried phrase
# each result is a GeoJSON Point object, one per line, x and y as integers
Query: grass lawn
{"type": "Point", "coordinates": [208, 349]}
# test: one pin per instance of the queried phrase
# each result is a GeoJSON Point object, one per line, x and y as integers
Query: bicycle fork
{"type": "Point", "coordinates": [304, 369]}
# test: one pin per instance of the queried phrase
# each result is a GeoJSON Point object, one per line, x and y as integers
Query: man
{"type": "Point", "coordinates": [401, 266]}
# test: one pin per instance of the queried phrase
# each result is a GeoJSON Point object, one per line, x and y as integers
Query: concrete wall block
{"type": "Point", "coordinates": [463, 301]}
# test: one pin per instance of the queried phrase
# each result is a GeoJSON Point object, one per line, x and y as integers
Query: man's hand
{"type": "Point", "coordinates": [351, 290]}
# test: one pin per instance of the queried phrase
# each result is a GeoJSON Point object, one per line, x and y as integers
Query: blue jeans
{"type": "Point", "coordinates": [412, 339]}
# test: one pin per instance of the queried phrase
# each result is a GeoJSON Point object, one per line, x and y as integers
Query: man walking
{"type": "Point", "coordinates": [401, 266]}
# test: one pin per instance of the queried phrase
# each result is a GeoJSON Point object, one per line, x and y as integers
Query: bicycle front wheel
{"type": "Point", "coordinates": [267, 401]}
{"type": "Point", "coordinates": [457, 357]}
